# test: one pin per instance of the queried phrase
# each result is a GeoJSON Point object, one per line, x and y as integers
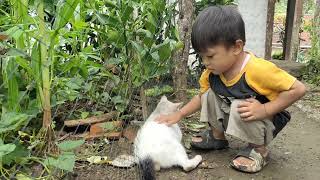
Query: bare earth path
{"type": "Point", "coordinates": [295, 154]}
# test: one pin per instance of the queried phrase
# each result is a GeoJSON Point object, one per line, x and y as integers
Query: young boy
{"type": "Point", "coordinates": [241, 94]}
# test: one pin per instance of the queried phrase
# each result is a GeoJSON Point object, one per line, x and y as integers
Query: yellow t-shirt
{"type": "Point", "coordinates": [259, 76]}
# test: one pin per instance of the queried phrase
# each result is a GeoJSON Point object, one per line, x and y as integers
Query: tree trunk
{"type": "Point", "coordinates": [316, 18]}
{"type": "Point", "coordinates": [180, 70]}
{"type": "Point", "coordinates": [315, 33]}
{"type": "Point", "coordinates": [145, 112]}
{"type": "Point", "coordinates": [293, 23]}
{"type": "Point", "coordinates": [269, 33]}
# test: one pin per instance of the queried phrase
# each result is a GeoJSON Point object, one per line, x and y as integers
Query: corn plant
{"type": "Point", "coordinates": [32, 54]}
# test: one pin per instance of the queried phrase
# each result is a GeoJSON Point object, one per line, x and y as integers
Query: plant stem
{"type": "Point", "coordinates": [44, 68]}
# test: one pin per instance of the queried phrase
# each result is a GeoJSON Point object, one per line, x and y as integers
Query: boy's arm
{"type": "Point", "coordinates": [286, 98]}
{"type": "Point", "coordinates": [254, 110]}
{"type": "Point", "coordinates": [192, 106]}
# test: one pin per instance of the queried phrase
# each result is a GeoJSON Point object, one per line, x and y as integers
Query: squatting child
{"type": "Point", "coordinates": [240, 94]}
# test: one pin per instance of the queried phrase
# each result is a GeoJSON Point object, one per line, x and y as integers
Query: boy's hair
{"type": "Point", "coordinates": [217, 25]}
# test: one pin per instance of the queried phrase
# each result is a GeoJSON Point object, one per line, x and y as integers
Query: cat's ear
{"type": "Point", "coordinates": [164, 98]}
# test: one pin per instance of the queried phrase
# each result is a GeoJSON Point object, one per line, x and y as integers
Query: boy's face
{"type": "Point", "coordinates": [219, 58]}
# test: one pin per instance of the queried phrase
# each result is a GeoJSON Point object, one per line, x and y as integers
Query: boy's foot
{"type": "Point", "coordinates": [251, 159]}
{"type": "Point", "coordinates": [207, 141]}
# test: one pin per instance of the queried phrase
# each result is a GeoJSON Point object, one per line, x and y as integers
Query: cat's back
{"type": "Point", "coordinates": [154, 132]}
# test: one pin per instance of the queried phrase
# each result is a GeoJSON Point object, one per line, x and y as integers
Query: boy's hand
{"type": "Point", "coordinates": [252, 109]}
{"type": "Point", "coordinates": [169, 119]}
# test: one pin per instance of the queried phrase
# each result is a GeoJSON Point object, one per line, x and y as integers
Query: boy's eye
{"type": "Point", "coordinates": [209, 57]}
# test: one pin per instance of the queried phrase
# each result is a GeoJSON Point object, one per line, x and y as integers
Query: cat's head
{"type": "Point", "coordinates": [167, 107]}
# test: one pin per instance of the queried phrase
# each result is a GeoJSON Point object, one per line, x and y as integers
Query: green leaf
{"type": "Point", "coordinates": [13, 86]}
{"type": "Point", "coordinates": [108, 20]}
{"type": "Point", "coordinates": [94, 57]}
{"type": "Point", "coordinates": [155, 56]}
{"type": "Point", "coordinates": [179, 45]}
{"type": "Point", "coordinates": [11, 121]}
{"type": "Point", "coordinates": [22, 177]}
{"type": "Point", "coordinates": [108, 126]}
{"type": "Point", "coordinates": [113, 35]}
{"type": "Point", "coordinates": [117, 100]}
{"type": "Point", "coordinates": [69, 145]}
{"type": "Point", "coordinates": [110, 4]}
{"type": "Point", "coordinates": [84, 114]}
{"type": "Point", "coordinates": [115, 61]}
{"type": "Point", "coordinates": [65, 11]}
{"type": "Point", "coordinates": [35, 62]}
{"type": "Point", "coordinates": [14, 32]}
{"type": "Point", "coordinates": [127, 12]}
{"type": "Point", "coordinates": [105, 97]}
{"type": "Point", "coordinates": [80, 24]}
{"type": "Point", "coordinates": [73, 62]}
{"type": "Point", "coordinates": [144, 33]}
{"type": "Point", "coordinates": [25, 64]}
{"type": "Point", "coordinates": [13, 52]}
{"type": "Point", "coordinates": [164, 50]}
{"type": "Point", "coordinates": [75, 83]}
{"type": "Point", "coordinates": [150, 23]}
{"type": "Point", "coordinates": [83, 71]}
{"type": "Point", "coordinates": [6, 149]}
{"type": "Point", "coordinates": [17, 156]}
{"type": "Point", "coordinates": [65, 161]}
{"type": "Point", "coordinates": [140, 49]}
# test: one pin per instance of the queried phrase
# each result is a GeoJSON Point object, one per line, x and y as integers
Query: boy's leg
{"type": "Point", "coordinates": [257, 133]}
{"type": "Point", "coordinates": [212, 113]}
{"type": "Point", "coordinates": [217, 111]}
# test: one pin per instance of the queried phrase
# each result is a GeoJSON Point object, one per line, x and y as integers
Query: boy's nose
{"type": "Point", "coordinates": [208, 65]}
{"type": "Point", "coordinates": [205, 62]}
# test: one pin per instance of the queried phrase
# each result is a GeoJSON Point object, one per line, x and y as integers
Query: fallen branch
{"type": "Point", "coordinates": [64, 137]}
{"type": "Point", "coordinates": [110, 135]}
{"type": "Point", "coordinates": [91, 120]}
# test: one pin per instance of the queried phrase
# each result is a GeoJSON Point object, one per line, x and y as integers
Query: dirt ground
{"type": "Point", "coordinates": [295, 153]}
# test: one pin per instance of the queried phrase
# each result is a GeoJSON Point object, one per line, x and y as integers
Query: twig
{"type": "Point", "coordinates": [91, 120]}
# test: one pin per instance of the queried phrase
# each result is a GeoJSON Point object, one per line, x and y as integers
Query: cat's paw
{"type": "Point", "coordinates": [157, 167]}
{"type": "Point", "coordinates": [198, 158]}
{"type": "Point", "coordinates": [193, 163]}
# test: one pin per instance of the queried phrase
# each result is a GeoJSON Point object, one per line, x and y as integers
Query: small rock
{"type": "Point", "coordinates": [206, 165]}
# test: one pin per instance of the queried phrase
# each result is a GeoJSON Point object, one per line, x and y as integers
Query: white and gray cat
{"type": "Point", "coordinates": [159, 146]}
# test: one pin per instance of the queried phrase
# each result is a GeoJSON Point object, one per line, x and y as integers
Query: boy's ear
{"type": "Point", "coordinates": [238, 47]}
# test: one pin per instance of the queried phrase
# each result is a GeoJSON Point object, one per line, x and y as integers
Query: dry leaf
{"type": "Point", "coordinates": [98, 160]}
{"type": "Point", "coordinates": [124, 161]}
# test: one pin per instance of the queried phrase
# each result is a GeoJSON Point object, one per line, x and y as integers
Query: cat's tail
{"type": "Point", "coordinates": [147, 171]}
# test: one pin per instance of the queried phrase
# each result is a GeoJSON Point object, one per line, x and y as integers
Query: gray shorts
{"type": "Point", "coordinates": [226, 118]}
